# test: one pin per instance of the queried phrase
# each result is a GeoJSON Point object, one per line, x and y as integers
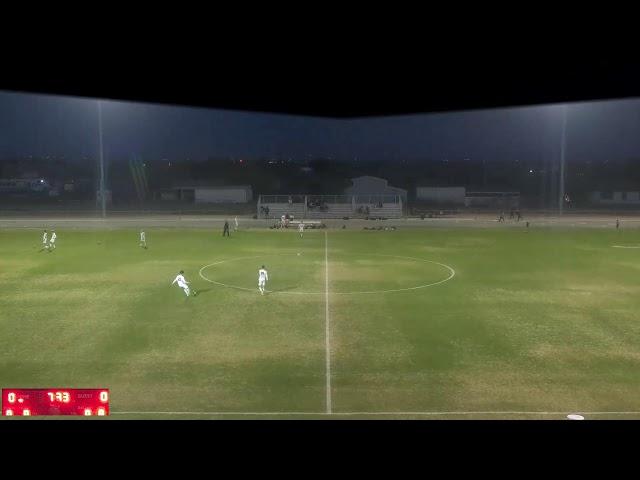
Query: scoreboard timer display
{"type": "Point", "coordinates": [25, 402]}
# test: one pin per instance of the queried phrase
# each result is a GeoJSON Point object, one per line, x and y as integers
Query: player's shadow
{"type": "Point", "coordinates": [204, 290]}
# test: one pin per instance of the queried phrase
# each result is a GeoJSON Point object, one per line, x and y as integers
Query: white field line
{"type": "Point", "coordinates": [452, 274]}
{"type": "Point", "coordinates": [624, 246]}
{"type": "Point", "coordinates": [239, 258]}
{"type": "Point", "coordinates": [326, 315]}
{"type": "Point", "coordinates": [370, 413]}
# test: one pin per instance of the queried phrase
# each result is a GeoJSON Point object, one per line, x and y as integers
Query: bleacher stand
{"type": "Point", "coordinates": [330, 206]}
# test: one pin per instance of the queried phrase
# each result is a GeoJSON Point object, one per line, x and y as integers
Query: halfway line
{"type": "Point", "coordinates": [326, 312]}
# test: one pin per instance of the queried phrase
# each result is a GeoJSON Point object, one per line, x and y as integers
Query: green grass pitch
{"type": "Point", "coordinates": [533, 324]}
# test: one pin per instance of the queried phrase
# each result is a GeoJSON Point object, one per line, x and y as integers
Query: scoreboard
{"type": "Point", "coordinates": [27, 402]}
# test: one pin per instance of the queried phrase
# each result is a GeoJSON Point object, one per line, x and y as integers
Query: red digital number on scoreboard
{"type": "Point", "coordinates": [27, 402]}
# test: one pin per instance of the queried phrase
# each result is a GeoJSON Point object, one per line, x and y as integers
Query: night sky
{"type": "Point", "coordinates": [62, 126]}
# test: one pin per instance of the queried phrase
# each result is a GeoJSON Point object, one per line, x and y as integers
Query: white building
{"type": "Point", "coordinates": [615, 198]}
{"type": "Point", "coordinates": [441, 195]}
{"type": "Point", "coordinates": [234, 194]}
{"type": "Point", "coordinates": [367, 185]}
{"type": "Point", "coordinates": [23, 185]}
{"type": "Point", "coordinates": [209, 194]}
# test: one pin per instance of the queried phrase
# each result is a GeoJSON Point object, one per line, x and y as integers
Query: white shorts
{"type": "Point", "coordinates": [262, 283]}
{"type": "Point", "coordinates": [183, 285]}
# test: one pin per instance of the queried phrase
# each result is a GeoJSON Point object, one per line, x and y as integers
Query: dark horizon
{"type": "Point", "coordinates": [40, 126]}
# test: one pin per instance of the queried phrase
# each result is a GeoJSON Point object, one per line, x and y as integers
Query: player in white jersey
{"type": "Point", "coordinates": [263, 277]}
{"type": "Point", "coordinates": [143, 239]}
{"type": "Point", "coordinates": [45, 241]}
{"type": "Point", "coordinates": [52, 240]}
{"type": "Point", "coordinates": [183, 284]}
{"type": "Point", "coordinates": [236, 224]}
{"type": "Point", "coordinates": [301, 228]}
{"type": "Point", "coordinates": [282, 221]}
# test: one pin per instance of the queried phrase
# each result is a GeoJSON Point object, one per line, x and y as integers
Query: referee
{"type": "Point", "coordinates": [225, 232]}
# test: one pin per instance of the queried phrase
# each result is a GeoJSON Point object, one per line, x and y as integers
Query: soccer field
{"type": "Point", "coordinates": [417, 323]}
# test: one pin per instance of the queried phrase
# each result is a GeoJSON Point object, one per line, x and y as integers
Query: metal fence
{"type": "Point", "coordinates": [375, 199]}
{"type": "Point", "coordinates": [329, 199]}
{"type": "Point", "coordinates": [333, 199]}
{"type": "Point", "coordinates": [282, 198]}
{"type": "Point", "coordinates": [273, 206]}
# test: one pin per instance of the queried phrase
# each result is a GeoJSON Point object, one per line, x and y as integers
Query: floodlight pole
{"type": "Point", "coordinates": [563, 147]}
{"type": "Point", "coordinates": [484, 174]}
{"type": "Point", "coordinates": [102, 193]}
